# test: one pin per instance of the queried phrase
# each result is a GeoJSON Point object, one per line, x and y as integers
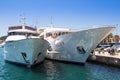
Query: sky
{"type": "Point", "coordinates": [74, 14]}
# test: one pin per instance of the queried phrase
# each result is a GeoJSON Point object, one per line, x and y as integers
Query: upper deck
{"type": "Point", "coordinates": [21, 27]}
{"type": "Point", "coordinates": [22, 30]}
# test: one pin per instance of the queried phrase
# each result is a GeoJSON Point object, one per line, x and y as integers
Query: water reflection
{"type": "Point", "coordinates": [52, 70]}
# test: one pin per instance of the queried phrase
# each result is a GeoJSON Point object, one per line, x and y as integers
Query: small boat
{"type": "Point", "coordinates": [23, 46]}
{"type": "Point", "coordinates": [73, 45]}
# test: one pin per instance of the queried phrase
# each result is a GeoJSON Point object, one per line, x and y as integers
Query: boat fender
{"type": "Point", "coordinates": [93, 57]}
{"type": "Point", "coordinates": [49, 48]}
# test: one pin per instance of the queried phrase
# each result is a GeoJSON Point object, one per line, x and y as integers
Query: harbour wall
{"type": "Point", "coordinates": [108, 60]}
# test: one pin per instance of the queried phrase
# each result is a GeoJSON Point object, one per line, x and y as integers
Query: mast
{"type": "Point", "coordinates": [22, 21]}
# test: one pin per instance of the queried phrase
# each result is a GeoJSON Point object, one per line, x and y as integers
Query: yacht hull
{"type": "Point", "coordinates": [29, 51]}
{"type": "Point", "coordinates": [76, 46]}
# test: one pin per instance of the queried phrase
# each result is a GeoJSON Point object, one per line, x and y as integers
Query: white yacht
{"type": "Point", "coordinates": [73, 45]}
{"type": "Point", "coordinates": [24, 46]}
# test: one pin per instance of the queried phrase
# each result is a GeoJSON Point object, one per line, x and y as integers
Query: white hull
{"type": "Point", "coordinates": [76, 46]}
{"type": "Point", "coordinates": [27, 51]}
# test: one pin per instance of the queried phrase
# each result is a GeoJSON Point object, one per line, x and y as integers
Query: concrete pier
{"type": "Point", "coordinates": [106, 58]}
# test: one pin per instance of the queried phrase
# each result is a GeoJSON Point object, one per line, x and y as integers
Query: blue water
{"type": "Point", "coordinates": [51, 70]}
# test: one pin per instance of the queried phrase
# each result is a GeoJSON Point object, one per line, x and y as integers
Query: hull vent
{"type": "Point", "coordinates": [81, 49]}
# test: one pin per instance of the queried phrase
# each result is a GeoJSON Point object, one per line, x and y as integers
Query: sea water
{"type": "Point", "coordinates": [51, 70]}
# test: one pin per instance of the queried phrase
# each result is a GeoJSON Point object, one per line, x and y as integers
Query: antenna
{"type": "Point", "coordinates": [51, 24]}
{"type": "Point", "coordinates": [23, 21]}
{"type": "Point", "coordinates": [36, 23]}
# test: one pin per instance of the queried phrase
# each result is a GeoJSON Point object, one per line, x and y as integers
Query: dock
{"type": "Point", "coordinates": [105, 58]}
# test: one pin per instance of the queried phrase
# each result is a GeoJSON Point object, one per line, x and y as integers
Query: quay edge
{"type": "Point", "coordinates": [107, 60]}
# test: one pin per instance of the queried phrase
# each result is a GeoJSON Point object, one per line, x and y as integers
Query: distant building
{"type": "Point", "coordinates": [111, 38]}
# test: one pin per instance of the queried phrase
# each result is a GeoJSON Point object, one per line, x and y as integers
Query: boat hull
{"type": "Point", "coordinates": [76, 46]}
{"type": "Point", "coordinates": [29, 51]}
